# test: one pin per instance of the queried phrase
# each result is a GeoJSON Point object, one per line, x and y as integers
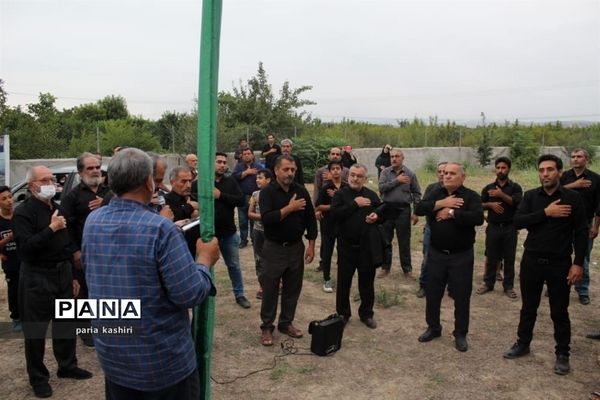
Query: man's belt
{"type": "Point", "coordinates": [501, 224]}
{"type": "Point", "coordinates": [286, 244]}
{"type": "Point", "coordinates": [452, 251]}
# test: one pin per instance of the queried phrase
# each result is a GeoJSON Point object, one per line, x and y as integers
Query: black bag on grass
{"type": "Point", "coordinates": [326, 335]}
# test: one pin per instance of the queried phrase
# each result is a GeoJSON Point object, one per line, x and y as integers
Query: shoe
{"type": "Point", "coordinates": [369, 322]}
{"type": "Point", "coordinates": [42, 390]}
{"type": "Point", "coordinates": [383, 273]}
{"type": "Point", "coordinates": [266, 337]}
{"type": "Point", "coordinates": [517, 350]}
{"type": "Point", "coordinates": [87, 340]}
{"type": "Point", "coordinates": [429, 335]}
{"type": "Point", "coordinates": [242, 301]}
{"type": "Point", "coordinates": [259, 294]}
{"type": "Point", "coordinates": [17, 326]}
{"type": "Point", "coordinates": [74, 373]}
{"type": "Point", "coordinates": [327, 287]}
{"type": "Point", "coordinates": [584, 300]}
{"type": "Point", "coordinates": [593, 335]}
{"type": "Point", "coordinates": [243, 244]}
{"type": "Point", "coordinates": [408, 274]}
{"type": "Point", "coordinates": [562, 366]}
{"type": "Point", "coordinates": [460, 342]}
{"type": "Point", "coordinates": [421, 293]}
{"type": "Point", "coordinates": [484, 289]}
{"type": "Point", "coordinates": [510, 293]}
{"type": "Point", "coordinates": [319, 268]}
{"type": "Point", "coordinates": [291, 331]}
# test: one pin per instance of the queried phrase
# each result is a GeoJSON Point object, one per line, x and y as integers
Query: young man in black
{"type": "Point", "coordinates": [8, 254]}
{"type": "Point", "coordinates": [286, 212]}
{"type": "Point", "coordinates": [556, 223]}
{"type": "Point", "coordinates": [270, 152]}
{"type": "Point", "coordinates": [454, 212]}
{"type": "Point", "coordinates": [355, 209]}
{"type": "Point", "coordinates": [501, 198]}
{"type": "Point", "coordinates": [323, 206]}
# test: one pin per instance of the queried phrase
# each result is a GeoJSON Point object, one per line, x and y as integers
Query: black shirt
{"type": "Point", "coordinates": [327, 223]}
{"type": "Point", "coordinates": [349, 217]}
{"type": "Point", "coordinates": [270, 159]}
{"type": "Point", "coordinates": [272, 199]}
{"type": "Point", "coordinates": [511, 189]}
{"type": "Point", "coordinates": [458, 233]}
{"type": "Point", "coordinates": [428, 190]}
{"type": "Point", "coordinates": [36, 242]}
{"type": "Point", "coordinates": [299, 177]}
{"type": "Point", "coordinates": [553, 236]}
{"type": "Point", "coordinates": [231, 197]}
{"type": "Point", "coordinates": [589, 195]}
{"type": "Point", "coordinates": [76, 208]}
{"type": "Point", "coordinates": [12, 261]}
{"type": "Point", "coordinates": [182, 210]}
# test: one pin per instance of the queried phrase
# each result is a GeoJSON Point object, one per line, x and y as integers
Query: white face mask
{"type": "Point", "coordinates": [47, 192]}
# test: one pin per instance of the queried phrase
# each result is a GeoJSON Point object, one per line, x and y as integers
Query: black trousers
{"type": "Point", "coordinates": [402, 227]}
{"type": "Point", "coordinates": [187, 389]}
{"type": "Point", "coordinates": [285, 263]}
{"type": "Point", "coordinates": [456, 271]}
{"type": "Point", "coordinates": [500, 244]}
{"type": "Point", "coordinates": [348, 257]}
{"type": "Point", "coordinates": [39, 287]}
{"type": "Point", "coordinates": [12, 282]}
{"type": "Point", "coordinates": [536, 270]}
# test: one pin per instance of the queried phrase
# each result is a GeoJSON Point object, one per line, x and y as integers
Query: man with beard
{"type": "Point", "coordinates": [354, 208]}
{"type": "Point", "coordinates": [245, 174]}
{"type": "Point", "coordinates": [180, 203]}
{"type": "Point", "coordinates": [191, 160]}
{"type": "Point", "coordinates": [286, 148]}
{"type": "Point", "coordinates": [84, 198]}
{"type": "Point", "coordinates": [454, 212]}
{"type": "Point", "coordinates": [46, 253]}
{"type": "Point", "coordinates": [286, 212]}
{"type": "Point", "coordinates": [501, 198]}
{"type": "Point", "coordinates": [555, 219]}
{"type": "Point", "coordinates": [270, 152]}
{"type": "Point", "coordinates": [228, 196]}
{"type": "Point", "coordinates": [587, 183]}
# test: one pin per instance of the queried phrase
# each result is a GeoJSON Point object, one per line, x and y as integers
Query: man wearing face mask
{"type": "Point", "coordinates": [46, 253]}
{"type": "Point", "coordinates": [77, 205]}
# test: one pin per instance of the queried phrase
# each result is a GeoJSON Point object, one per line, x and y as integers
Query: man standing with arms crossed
{"type": "Point", "coordinates": [286, 212]}
{"type": "Point", "coordinates": [501, 198]}
{"type": "Point", "coordinates": [399, 188]}
{"type": "Point", "coordinates": [555, 219]}
{"type": "Point", "coordinates": [587, 184]}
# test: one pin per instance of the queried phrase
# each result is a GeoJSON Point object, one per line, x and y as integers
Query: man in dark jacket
{"type": "Point", "coordinates": [354, 209]}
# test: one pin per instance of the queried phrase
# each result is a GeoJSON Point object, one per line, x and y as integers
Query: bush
{"type": "Point", "coordinates": [431, 163]}
{"type": "Point", "coordinates": [313, 152]}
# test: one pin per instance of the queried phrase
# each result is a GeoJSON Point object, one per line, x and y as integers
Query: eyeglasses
{"type": "Point", "coordinates": [93, 167]}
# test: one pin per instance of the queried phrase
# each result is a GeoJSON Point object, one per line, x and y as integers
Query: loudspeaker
{"type": "Point", "coordinates": [326, 335]}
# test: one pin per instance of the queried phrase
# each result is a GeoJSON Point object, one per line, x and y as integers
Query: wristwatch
{"type": "Point", "coordinates": [451, 213]}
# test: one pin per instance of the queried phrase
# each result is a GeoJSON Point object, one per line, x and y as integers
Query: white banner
{"type": "Point", "coordinates": [4, 160]}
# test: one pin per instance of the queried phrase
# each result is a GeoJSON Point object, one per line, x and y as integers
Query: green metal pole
{"type": "Point", "coordinates": [204, 314]}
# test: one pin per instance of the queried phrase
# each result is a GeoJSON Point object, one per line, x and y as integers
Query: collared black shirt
{"type": "Point", "coordinates": [270, 159]}
{"type": "Point", "coordinates": [36, 242]}
{"type": "Point", "coordinates": [589, 195]}
{"type": "Point", "coordinates": [428, 190]}
{"type": "Point", "coordinates": [272, 199]}
{"type": "Point", "coordinates": [299, 176]}
{"type": "Point", "coordinates": [179, 205]}
{"type": "Point", "coordinates": [511, 189]}
{"type": "Point", "coordinates": [554, 237]}
{"type": "Point", "coordinates": [76, 207]}
{"type": "Point", "coordinates": [350, 219]}
{"type": "Point", "coordinates": [327, 223]}
{"type": "Point", "coordinates": [231, 197]}
{"type": "Point", "coordinates": [458, 233]}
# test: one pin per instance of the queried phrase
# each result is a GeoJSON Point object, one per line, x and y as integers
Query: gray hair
{"type": "Point", "coordinates": [460, 166]}
{"type": "Point", "coordinates": [82, 158]}
{"type": "Point", "coordinates": [156, 158]}
{"type": "Point", "coordinates": [32, 173]}
{"type": "Point", "coordinates": [128, 170]}
{"type": "Point", "coordinates": [359, 165]}
{"type": "Point", "coordinates": [177, 170]}
{"type": "Point", "coordinates": [287, 142]}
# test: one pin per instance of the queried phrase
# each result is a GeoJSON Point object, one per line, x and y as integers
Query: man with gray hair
{"type": "Point", "coordinates": [131, 252]}
{"type": "Point", "coordinates": [180, 203]}
{"type": "Point", "coordinates": [399, 188]}
{"type": "Point", "coordinates": [46, 253]}
{"type": "Point", "coordinates": [286, 148]}
{"type": "Point", "coordinates": [84, 198]}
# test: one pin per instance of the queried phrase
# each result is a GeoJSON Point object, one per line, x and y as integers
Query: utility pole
{"type": "Point", "coordinates": [172, 139]}
{"type": "Point", "coordinates": [248, 135]}
{"type": "Point", "coordinates": [97, 139]}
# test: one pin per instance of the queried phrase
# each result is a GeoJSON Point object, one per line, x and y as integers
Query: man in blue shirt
{"type": "Point", "coordinates": [129, 251]}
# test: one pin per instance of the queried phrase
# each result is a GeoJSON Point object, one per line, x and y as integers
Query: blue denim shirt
{"type": "Point", "coordinates": [131, 252]}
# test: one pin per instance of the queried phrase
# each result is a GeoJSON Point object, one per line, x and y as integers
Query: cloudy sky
{"type": "Point", "coordinates": [377, 60]}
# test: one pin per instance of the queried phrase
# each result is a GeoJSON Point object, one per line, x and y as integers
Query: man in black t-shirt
{"type": "Point", "coordinates": [270, 152]}
{"type": "Point", "coordinates": [8, 255]}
